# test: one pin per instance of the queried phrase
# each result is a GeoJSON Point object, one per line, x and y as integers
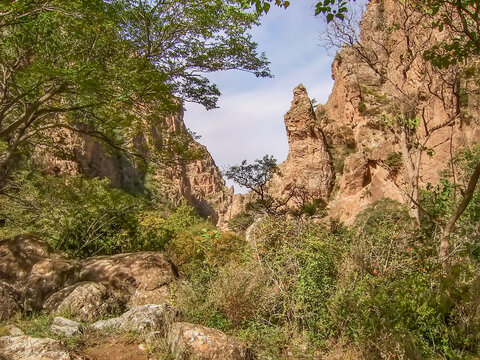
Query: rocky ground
{"type": "Point", "coordinates": [106, 307]}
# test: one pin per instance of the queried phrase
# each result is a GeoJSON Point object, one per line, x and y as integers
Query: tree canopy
{"type": "Point", "coordinates": [95, 66]}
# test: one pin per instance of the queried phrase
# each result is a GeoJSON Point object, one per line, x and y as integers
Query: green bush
{"type": "Point", "coordinates": [392, 297]}
{"type": "Point", "coordinates": [86, 217]}
{"type": "Point", "coordinates": [302, 258]}
{"type": "Point", "coordinates": [241, 221]}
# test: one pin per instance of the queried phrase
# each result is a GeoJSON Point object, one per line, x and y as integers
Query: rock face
{"type": "Point", "coordinates": [85, 301]}
{"type": "Point", "coordinates": [379, 83]}
{"type": "Point", "coordinates": [30, 348]}
{"type": "Point", "coordinates": [307, 174]}
{"type": "Point", "coordinates": [199, 180]}
{"type": "Point", "coordinates": [391, 121]}
{"type": "Point", "coordinates": [190, 174]}
{"type": "Point", "coordinates": [189, 340]}
{"type": "Point", "coordinates": [32, 274]}
{"type": "Point", "coordinates": [140, 319]}
{"type": "Point", "coordinates": [9, 301]}
{"type": "Point", "coordinates": [135, 279]}
{"type": "Point", "coordinates": [65, 327]}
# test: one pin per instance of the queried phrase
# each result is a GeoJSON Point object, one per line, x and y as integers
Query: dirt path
{"type": "Point", "coordinates": [112, 348]}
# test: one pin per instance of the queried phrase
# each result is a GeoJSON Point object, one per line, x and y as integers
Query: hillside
{"type": "Point", "coordinates": [120, 240]}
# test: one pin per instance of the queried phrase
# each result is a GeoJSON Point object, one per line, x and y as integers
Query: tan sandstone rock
{"type": "Point", "coordinates": [48, 276]}
{"type": "Point", "coordinates": [31, 273]}
{"type": "Point", "coordinates": [9, 301]}
{"type": "Point", "coordinates": [308, 171]}
{"type": "Point", "coordinates": [135, 279]}
{"type": "Point", "coordinates": [30, 348]}
{"type": "Point", "coordinates": [65, 327]}
{"type": "Point", "coordinates": [199, 342]}
{"type": "Point", "coordinates": [85, 301]}
{"type": "Point", "coordinates": [141, 319]}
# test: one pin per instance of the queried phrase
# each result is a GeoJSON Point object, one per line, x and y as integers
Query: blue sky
{"type": "Point", "coordinates": [249, 121]}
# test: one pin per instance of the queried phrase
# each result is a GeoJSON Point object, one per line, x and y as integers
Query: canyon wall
{"type": "Point", "coordinates": [390, 110]}
{"type": "Point", "coordinates": [391, 124]}
{"type": "Point", "coordinates": [180, 167]}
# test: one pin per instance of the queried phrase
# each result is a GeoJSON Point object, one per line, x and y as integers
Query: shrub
{"type": "Point", "coordinates": [85, 217]}
{"type": "Point", "coordinates": [243, 293]}
{"type": "Point", "coordinates": [392, 298]}
{"type": "Point", "coordinates": [302, 259]}
{"type": "Point", "coordinates": [241, 221]}
{"type": "Point", "coordinates": [394, 162]}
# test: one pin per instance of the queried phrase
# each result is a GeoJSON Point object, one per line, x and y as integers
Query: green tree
{"type": "Point", "coordinates": [330, 8]}
{"type": "Point", "coordinates": [255, 177]}
{"type": "Point", "coordinates": [111, 68]}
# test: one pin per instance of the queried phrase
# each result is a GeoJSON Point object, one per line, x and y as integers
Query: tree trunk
{"type": "Point", "coordinates": [7, 158]}
{"type": "Point", "coordinates": [467, 197]}
{"type": "Point", "coordinates": [412, 173]}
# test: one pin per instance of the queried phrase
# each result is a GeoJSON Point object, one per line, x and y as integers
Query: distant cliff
{"type": "Point", "coordinates": [183, 167]}
{"type": "Point", "coordinates": [391, 123]}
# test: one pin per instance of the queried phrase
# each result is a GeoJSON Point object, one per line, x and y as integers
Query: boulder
{"type": "Point", "coordinates": [12, 330]}
{"type": "Point", "coordinates": [65, 327]}
{"type": "Point", "coordinates": [33, 274]}
{"type": "Point", "coordinates": [18, 255]}
{"type": "Point", "coordinates": [30, 348]}
{"type": "Point", "coordinates": [9, 301]}
{"type": "Point", "coordinates": [199, 342]}
{"type": "Point", "coordinates": [135, 279]}
{"type": "Point", "coordinates": [139, 319]}
{"type": "Point", "coordinates": [48, 276]}
{"type": "Point", "coordinates": [85, 301]}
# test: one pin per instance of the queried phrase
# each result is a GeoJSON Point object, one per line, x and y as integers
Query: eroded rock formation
{"type": "Point", "coordinates": [391, 123]}
{"type": "Point", "coordinates": [307, 174]}
{"type": "Point", "coordinates": [381, 84]}
{"type": "Point", "coordinates": [183, 167]}
{"type": "Point", "coordinates": [35, 276]}
{"type": "Point", "coordinates": [103, 286]}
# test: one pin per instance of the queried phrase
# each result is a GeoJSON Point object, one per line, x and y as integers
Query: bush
{"type": "Point", "coordinates": [241, 221]}
{"type": "Point", "coordinates": [394, 162]}
{"type": "Point", "coordinates": [302, 259]}
{"type": "Point", "coordinates": [86, 217]}
{"type": "Point", "coordinates": [392, 297]}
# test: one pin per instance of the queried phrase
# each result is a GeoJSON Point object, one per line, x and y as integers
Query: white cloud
{"type": "Point", "coordinates": [249, 121]}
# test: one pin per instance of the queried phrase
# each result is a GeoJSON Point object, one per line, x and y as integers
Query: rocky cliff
{"type": "Point", "coordinates": [392, 119]}
{"type": "Point", "coordinates": [307, 174]}
{"type": "Point", "coordinates": [183, 167]}
{"type": "Point", "coordinates": [391, 123]}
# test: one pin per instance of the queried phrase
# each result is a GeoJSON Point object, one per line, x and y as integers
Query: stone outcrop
{"type": "Point", "coordinates": [102, 286]}
{"type": "Point", "coordinates": [392, 120]}
{"type": "Point", "coordinates": [65, 327]}
{"type": "Point", "coordinates": [185, 169]}
{"type": "Point", "coordinates": [307, 174]}
{"type": "Point", "coordinates": [385, 79]}
{"type": "Point", "coordinates": [135, 279]}
{"type": "Point", "coordinates": [85, 301]}
{"type": "Point", "coordinates": [140, 319]}
{"type": "Point", "coordinates": [189, 340]}
{"type": "Point", "coordinates": [9, 301]}
{"type": "Point", "coordinates": [33, 274]}
{"type": "Point", "coordinates": [30, 348]}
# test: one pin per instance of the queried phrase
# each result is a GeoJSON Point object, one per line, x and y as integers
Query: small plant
{"type": "Point", "coordinates": [241, 221]}
{"type": "Point", "coordinates": [394, 162]}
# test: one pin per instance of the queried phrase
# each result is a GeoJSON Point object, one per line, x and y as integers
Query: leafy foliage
{"type": "Point", "coordinates": [255, 177]}
{"type": "Point", "coordinates": [112, 69]}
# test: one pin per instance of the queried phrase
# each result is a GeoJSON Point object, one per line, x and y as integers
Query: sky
{"type": "Point", "coordinates": [249, 121]}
